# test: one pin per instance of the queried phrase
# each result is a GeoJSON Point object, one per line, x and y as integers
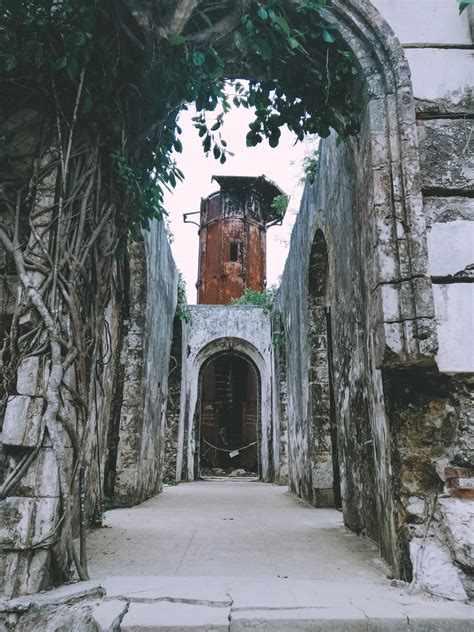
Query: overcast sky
{"type": "Point", "coordinates": [283, 165]}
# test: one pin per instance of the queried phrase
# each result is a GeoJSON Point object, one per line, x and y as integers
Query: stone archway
{"type": "Point", "coordinates": [227, 418]}
{"type": "Point", "coordinates": [214, 330]}
{"type": "Point", "coordinates": [396, 247]}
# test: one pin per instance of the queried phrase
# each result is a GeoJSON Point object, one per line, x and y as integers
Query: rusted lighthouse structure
{"type": "Point", "coordinates": [232, 237]}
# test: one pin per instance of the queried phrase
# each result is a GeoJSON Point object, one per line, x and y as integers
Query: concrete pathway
{"type": "Point", "coordinates": [244, 556]}
{"type": "Point", "coordinates": [231, 528]}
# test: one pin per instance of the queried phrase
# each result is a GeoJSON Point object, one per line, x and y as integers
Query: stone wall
{"type": "Point", "coordinates": [30, 514]}
{"type": "Point", "coordinates": [392, 208]}
{"type": "Point", "coordinates": [123, 437]}
{"type": "Point", "coordinates": [174, 404]}
{"type": "Point", "coordinates": [145, 356]}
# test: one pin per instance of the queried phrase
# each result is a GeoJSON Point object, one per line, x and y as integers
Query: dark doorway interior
{"type": "Point", "coordinates": [229, 416]}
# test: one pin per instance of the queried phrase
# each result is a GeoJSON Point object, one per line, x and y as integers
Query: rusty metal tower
{"type": "Point", "coordinates": [232, 237]}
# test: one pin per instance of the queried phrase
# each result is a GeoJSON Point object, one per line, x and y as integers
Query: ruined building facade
{"type": "Point", "coordinates": [362, 376]}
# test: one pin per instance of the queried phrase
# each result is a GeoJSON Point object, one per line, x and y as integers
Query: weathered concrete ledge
{"type": "Point", "coordinates": [232, 604]}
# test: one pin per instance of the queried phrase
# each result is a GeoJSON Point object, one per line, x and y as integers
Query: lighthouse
{"type": "Point", "coordinates": [232, 237]}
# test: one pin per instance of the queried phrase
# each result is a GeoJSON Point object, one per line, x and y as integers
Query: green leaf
{"type": "Point", "coordinates": [292, 42]}
{"type": "Point", "coordinates": [87, 104]}
{"type": "Point", "coordinates": [239, 40]}
{"type": "Point", "coordinates": [216, 151]}
{"type": "Point", "coordinates": [207, 143]}
{"type": "Point", "coordinates": [262, 13]}
{"type": "Point", "coordinates": [178, 145]}
{"type": "Point", "coordinates": [463, 4]}
{"type": "Point", "coordinates": [274, 137]}
{"type": "Point", "coordinates": [283, 24]}
{"type": "Point", "coordinates": [198, 58]}
{"type": "Point", "coordinates": [217, 72]}
{"type": "Point", "coordinates": [61, 62]}
{"type": "Point", "coordinates": [328, 37]}
{"type": "Point", "coordinates": [176, 40]}
{"type": "Point", "coordinates": [205, 18]}
{"type": "Point", "coordinates": [72, 67]}
{"type": "Point", "coordinates": [10, 63]}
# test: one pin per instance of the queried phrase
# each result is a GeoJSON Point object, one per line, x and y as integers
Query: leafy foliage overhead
{"type": "Point", "coordinates": [139, 63]}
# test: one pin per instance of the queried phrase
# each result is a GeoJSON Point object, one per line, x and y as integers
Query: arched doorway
{"type": "Point", "coordinates": [228, 416]}
{"type": "Point", "coordinates": [250, 362]}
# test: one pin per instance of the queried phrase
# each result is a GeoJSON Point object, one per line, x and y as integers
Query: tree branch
{"type": "Point", "coordinates": [221, 28]}
{"type": "Point", "coordinates": [181, 15]}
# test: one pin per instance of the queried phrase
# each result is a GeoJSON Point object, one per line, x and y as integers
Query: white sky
{"type": "Point", "coordinates": [283, 165]}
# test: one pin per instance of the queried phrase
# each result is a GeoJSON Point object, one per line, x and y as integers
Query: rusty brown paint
{"type": "Point", "coordinates": [232, 239]}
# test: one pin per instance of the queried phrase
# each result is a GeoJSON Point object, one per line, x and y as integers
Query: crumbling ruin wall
{"type": "Point", "coordinates": [399, 291]}
{"type": "Point", "coordinates": [331, 208]}
{"type": "Point", "coordinates": [430, 410]}
{"type": "Point", "coordinates": [174, 404]}
{"type": "Point", "coordinates": [145, 356]}
{"type": "Point", "coordinates": [31, 508]}
{"type": "Point", "coordinates": [279, 403]}
{"type": "Point", "coordinates": [125, 427]}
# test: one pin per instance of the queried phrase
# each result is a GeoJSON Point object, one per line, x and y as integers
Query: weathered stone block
{"type": "Point", "coordinates": [447, 154]}
{"type": "Point", "coordinates": [22, 424]}
{"type": "Point", "coordinates": [460, 482]}
{"type": "Point", "coordinates": [442, 79]}
{"type": "Point", "coordinates": [178, 616]}
{"type": "Point", "coordinates": [26, 572]}
{"type": "Point", "coordinates": [26, 522]}
{"type": "Point", "coordinates": [444, 25]}
{"type": "Point", "coordinates": [30, 377]}
{"type": "Point", "coordinates": [447, 209]}
{"type": "Point", "coordinates": [434, 571]}
{"type": "Point", "coordinates": [451, 247]}
{"type": "Point", "coordinates": [458, 522]}
{"type": "Point", "coordinates": [453, 307]}
{"type": "Point", "coordinates": [41, 478]}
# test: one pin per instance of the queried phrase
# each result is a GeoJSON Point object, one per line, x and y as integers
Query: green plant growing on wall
{"type": "Point", "coordinates": [280, 205]}
{"type": "Point", "coordinates": [263, 299]}
{"type": "Point", "coordinates": [182, 308]}
{"type": "Point", "coordinates": [310, 166]}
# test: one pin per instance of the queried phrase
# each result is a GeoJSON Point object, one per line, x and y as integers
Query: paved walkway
{"type": "Point", "coordinates": [231, 528]}
{"type": "Point", "coordinates": [243, 556]}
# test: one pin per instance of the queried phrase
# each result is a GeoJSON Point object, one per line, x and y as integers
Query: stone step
{"type": "Point", "coordinates": [235, 604]}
